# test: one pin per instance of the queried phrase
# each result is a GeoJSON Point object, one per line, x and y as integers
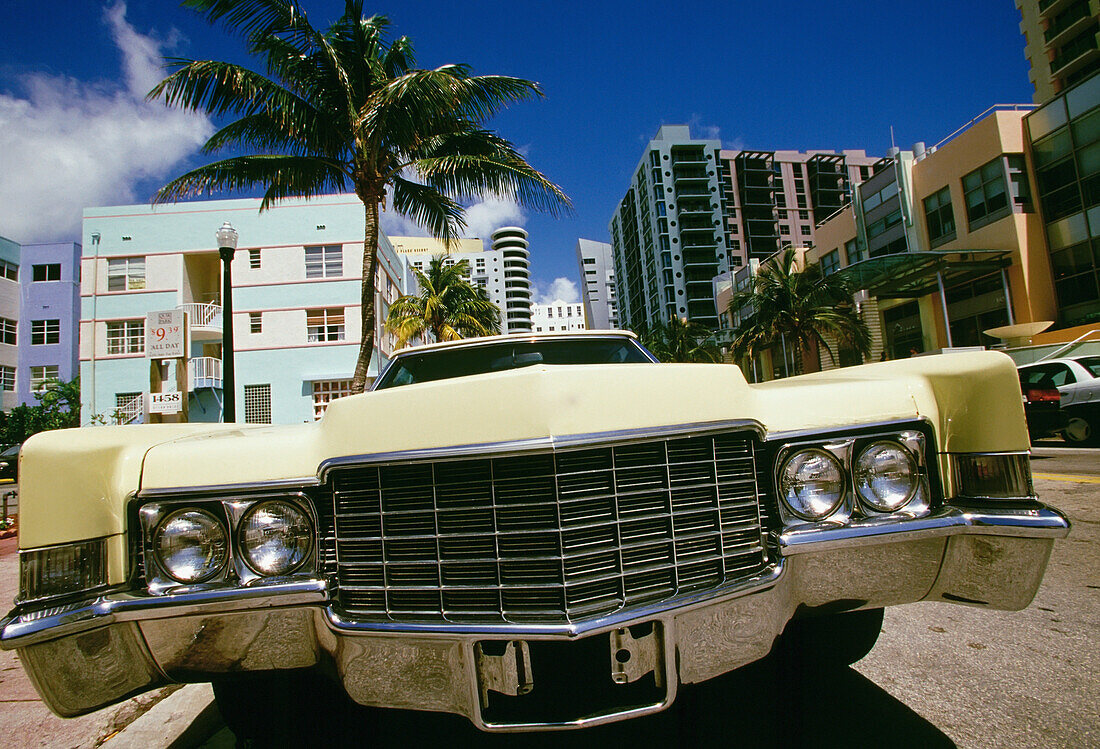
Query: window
{"type": "Point", "coordinates": [784, 229]}
{"type": "Point", "coordinates": [125, 274]}
{"type": "Point", "coordinates": [326, 391]}
{"type": "Point", "coordinates": [804, 215]}
{"type": "Point", "coordinates": [7, 331]}
{"type": "Point", "coordinates": [254, 259]}
{"type": "Point", "coordinates": [854, 252]}
{"type": "Point", "coordinates": [9, 271]}
{"type": "Point", "coordinates": [939, 218]}
{"type": "Point", "coordinates": [47, 272]}
{"type": "Point", "coordinates": [984, 194]}
{"type": "Point", "coordinates": [830, 262]}
{"type": "Point", "coordinates": [41, 376]}
{"type": "Point", "coordinates": [255, 322]}
{"type": "Point", "coordinates": [891, 220]}
{"type": "Point", "coordinates": [587, 261]}
{"type": "Point", "coordinates": [1018, 186]}
{"type": "Point", "coordinates": [126, 337]}
{"type": "Point", "coordinates": [7, 378]}
{"type": "Point", "coordinates": [324, 261]}
{"type": "Point", "coordinates": [45, 332]}
{"type": "Point", "coordinates": [325, 325]}
{"type": "Point", "coordinates": [257, 404]}
{"type": "Point", "coordinates": [804, 231]}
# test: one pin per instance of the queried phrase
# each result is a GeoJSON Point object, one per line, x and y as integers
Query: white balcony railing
{"type": "Point", "coordinates": [132, 411]}
{"type": "Point", "coordinates": [204, 372]}
{"type": "Point", "coordinates": [203, 315]}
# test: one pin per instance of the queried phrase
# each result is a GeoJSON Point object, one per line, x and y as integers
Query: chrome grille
{"type": "Point", "coordinates": [546, 536]}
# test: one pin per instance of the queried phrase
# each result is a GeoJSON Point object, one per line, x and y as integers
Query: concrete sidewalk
{"type": "Point", "coordinates": [173, 716]}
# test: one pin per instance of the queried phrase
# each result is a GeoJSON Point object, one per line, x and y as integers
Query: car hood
{"type": "Point", "coordinates": [972, 399]}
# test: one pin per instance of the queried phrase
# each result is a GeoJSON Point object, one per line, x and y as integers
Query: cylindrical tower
{"type": "Point", "coordinates": [512, 243]}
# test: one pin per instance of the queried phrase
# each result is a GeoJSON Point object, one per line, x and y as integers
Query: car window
{"type": "Point", "coordinates": [1091, 363]}
{"type": "Point", "coordinates": [1047, 375]}
{"type": "Point", "coordinates": [461, 362]}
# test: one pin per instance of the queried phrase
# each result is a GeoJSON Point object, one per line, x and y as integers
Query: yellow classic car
{"type": "Point", "coordinates": [504, 522]}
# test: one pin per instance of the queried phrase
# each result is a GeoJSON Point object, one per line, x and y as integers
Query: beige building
{"type": "Point", "coordinates": [1060, 43]}
{"type": "Point", "coordinates": [947, 242]}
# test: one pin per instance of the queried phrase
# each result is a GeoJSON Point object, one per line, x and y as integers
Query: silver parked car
{"type": "Point", "coordinates": [1078, 380]}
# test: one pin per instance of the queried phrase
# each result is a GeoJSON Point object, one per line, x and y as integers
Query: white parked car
{"type": "Point", "coordinates": [1078, 380]}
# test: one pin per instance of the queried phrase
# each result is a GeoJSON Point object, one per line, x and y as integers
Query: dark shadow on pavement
{"type": "Point", "coordinates": [768, 704]}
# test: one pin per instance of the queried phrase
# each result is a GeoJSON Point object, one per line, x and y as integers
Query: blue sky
{"type": "Point", "coordinates": [777, 74]}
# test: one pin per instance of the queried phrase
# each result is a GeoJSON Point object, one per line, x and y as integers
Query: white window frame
{"type": "Point", "coordinates": [126, 273]}
{"type": "Point", "coordinates": [40, 375]}
{"type": "Point", "coordinates": [125, 337]}
{"type": "Point", "coordinates": [325, 324]}
{"type": "Point", "coordinates": [326, 391]}
{"type": "Point", "coordinates": [257, 404]}
{"type": "Point", "coordinates": [45, 332]}
{"type": "Point", "coordinates": [324, 261]}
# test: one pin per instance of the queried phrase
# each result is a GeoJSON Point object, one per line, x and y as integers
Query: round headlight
{"type": "Point", "coordinates": [811, 484]}
{"type": "Point", "coordinates": [275, 537]}
{"type": "Point", "coordinates": [191, 545]}
{"type": "Point", "coordinates": [885, 476]}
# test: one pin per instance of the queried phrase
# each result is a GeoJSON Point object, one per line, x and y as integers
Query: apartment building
{"type": "Point", "coordinates": [558, 316]}
{"type": "Point", "coordinates": [296, 304]}
{"type": "Point", "coordinates": [695, 211]}
{"type": "Point", "coordinates": [596, 265]}
{"type": "Point", "coordinates": [945, 243]}
{"type": "Point", "coordinates": [1060, 43]}
{"type": "Point", "coordinates": [9, 322]}
{"type": "Point", "coordinates": [49, 316]}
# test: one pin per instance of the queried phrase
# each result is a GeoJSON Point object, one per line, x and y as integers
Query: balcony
{"type": "Point", "coordinates": [204, 372]}
{"type": "Point", "coordinates": [205, 320]}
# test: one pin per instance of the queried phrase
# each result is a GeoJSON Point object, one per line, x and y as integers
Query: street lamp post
{"type": "Point", "coordinates": [227, 245]}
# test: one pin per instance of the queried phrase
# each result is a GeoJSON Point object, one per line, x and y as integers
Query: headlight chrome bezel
{"type": "Point", "coordinates": [223, 542]}
{"type": "Point", "coordinates": [783, 482]}
{"type": "Point", "coordinates": [230, 510]}
{"type": "Point", "coordinates": [247, 554]}
{"type": "Point", "coordinates": [846, 449]}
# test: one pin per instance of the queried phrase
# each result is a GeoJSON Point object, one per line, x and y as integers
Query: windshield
{"type": "Point", "coordinates": [461, 362]}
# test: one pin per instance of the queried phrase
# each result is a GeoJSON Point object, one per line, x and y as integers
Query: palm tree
{"type": "Point", "coordinates": [345, 107]}
{"type": "Point", "coordinates": [447, 306]}
{"type": "Point", "coordinates": [680, 341]}
{"type": "Point", "coordinates": [797, 307]}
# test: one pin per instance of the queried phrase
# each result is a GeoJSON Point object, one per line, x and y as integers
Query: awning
{"type": "Point", "coordinates": [908, 275]}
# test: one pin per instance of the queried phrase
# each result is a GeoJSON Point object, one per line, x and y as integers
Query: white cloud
{"type": "Point", "coordinates": [560, 288]}
{"type": "Point", "coordinates": [482, 219]}
{"type": "Point", "coordinates": [68, 144]}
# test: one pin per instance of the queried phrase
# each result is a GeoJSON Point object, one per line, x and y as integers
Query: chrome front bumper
{"type": "Point", "coordinates": [85, 656]}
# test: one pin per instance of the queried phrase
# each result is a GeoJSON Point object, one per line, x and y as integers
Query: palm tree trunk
{"type": "Point", "coordinates": [370, 269]}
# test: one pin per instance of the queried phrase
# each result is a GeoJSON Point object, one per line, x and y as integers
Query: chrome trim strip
{"type": "Point", "coordinates": [551, 443]}
{"type": "Point", "coordinates": [758, 582]}
{"type": "Point", "coordinates": [831, 432]}
{"type": "Point", "coordinates": [1045, 522]}
{"type": "Point", "coordinates": [274, 485]}
{"type": "Point", "coordinates": [20, 630]}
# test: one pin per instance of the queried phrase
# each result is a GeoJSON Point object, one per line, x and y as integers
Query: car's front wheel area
{"type": "Point", "coordinates": [831, 640]}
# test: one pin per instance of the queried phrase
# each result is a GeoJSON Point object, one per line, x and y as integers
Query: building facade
{"type": "Point", "coordinates": [9, 323]}
{"type": "Point", "coordinates": [296, 304]}
{"type": "Point", "coordinates": [558, 316]}
{"type": "Point", "coordinates": [49, 316]}
{"type": "Point", "coordinates": [511, 243]}
{"type": "Point", "coordinates": [695, 211]}
{"type": "Point", "coordinates": [945, 243]}
{"type": "Point", "coordinates": [597, 270]}
{"type": "Point", "coordinates": [1064, 139]}
{"type": "Point", "coordinates": [1060, 43]}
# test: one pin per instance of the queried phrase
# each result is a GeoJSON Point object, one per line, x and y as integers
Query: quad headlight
{"type": "Point", "coordinates": [191, 545]}
{"type": "Point", "coordinates": [275, 537]}
{"type": "Point", "coordinates": [885, 476]}
{"type": "Point", "coordinates": [848, 476]}
{"type": "Point", "coordinates": [812, 483]}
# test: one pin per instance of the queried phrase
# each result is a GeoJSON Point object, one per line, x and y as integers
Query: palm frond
{"type": "Point", "coordinates": [289, 175]}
